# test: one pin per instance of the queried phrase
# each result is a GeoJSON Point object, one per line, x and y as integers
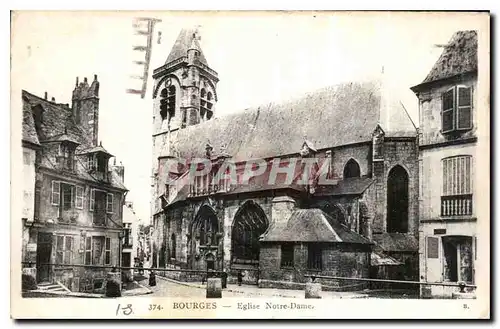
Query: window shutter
{"type": "Point", "coordinates": [448, 111]}
{"type": "Point", "coordinates": [464, 108]}
{"type": "Point", "coordinates": [432, 247]}
{"type": "Point", "coordinates": [92, 199]}
{"type": "Point", "coordinates": [56, 193]}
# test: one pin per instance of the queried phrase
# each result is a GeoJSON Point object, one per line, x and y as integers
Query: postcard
{"type": "Point", "coordinates": [250, 165]}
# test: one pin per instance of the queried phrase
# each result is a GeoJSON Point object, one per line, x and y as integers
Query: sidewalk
{"type": "Point", "coordinates": [233, 290]}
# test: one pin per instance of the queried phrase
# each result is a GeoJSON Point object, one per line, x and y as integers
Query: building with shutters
{"type": "Point", "coordinates": [447, 143]}
{"type": "Point", "coordinates": [368, 218]}
{"type": "Point", "coordinates": [72, 196]}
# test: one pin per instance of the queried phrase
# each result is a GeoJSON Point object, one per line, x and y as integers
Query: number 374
{"type": "Point", "coordinates": [155, 307]}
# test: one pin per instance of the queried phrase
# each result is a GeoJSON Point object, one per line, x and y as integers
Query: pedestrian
{"type": "Point", "coordinates": [152, 278]}
{"type": "Point", "coordinates": [240, 277]}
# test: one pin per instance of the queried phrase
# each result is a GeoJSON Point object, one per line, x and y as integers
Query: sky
{"type": "Point", "coordinates": [260, 57]}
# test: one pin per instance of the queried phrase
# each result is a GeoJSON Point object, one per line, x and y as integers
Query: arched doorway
{"type": "Point", "coordinates": [205, 227]}
{"type": "Point", "coordinates": [250, 222]}
{"type": "Point", "coordinates": [204, 238]}
{"type": "Point", "coordinates": [397, 200]}
{"type": "Point", "coordinates": [351, 169]}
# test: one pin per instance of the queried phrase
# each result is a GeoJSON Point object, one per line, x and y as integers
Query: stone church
{"type": "Point", "coordinates": [365, 224]}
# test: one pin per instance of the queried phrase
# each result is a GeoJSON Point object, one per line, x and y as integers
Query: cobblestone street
{"type": "Point", "coordinates": [171, 288]}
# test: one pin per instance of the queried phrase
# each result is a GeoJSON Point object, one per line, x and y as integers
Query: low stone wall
{"type": "Point", "coordinates": [301, 286]}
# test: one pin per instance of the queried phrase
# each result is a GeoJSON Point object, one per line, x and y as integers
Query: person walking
{"type": "Point", "coordinates": [240, 277]}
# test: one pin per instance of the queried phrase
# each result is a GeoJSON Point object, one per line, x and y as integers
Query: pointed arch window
{"type": "Point", "coordinates": [351, 169]}
{"type": "Point", "coordinates": [167, 102]}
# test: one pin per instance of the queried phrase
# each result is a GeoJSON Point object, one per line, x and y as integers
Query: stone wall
{"type": "Point", "coordinates": [338, 260]}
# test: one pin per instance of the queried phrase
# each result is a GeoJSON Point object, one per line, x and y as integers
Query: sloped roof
{"type": "Point", "coordinates": [62, 138]}
{"type": "Point", "coordinates": [95, 149]}
{"type": "Point", "coordinates": [58, 125]}
{"type": "Point", "coordinates": [350, 186]}
{"type": "Point", "coordinates": [29, 130]}
{"type": "Point", "coordinates": [57, 119]}
{"type": "Point", "coordinates": [313, 225]}
{"type": "Point", "coordinates": [184, 42]}
{"type": "Point", "coordinates": [379, 259]}
{"type": "Point", "coordinates": [458, 57]}
{"type": "Point", "coordinates": [338, 115]}
{"type": "Point", "coordinates": [396, 241]}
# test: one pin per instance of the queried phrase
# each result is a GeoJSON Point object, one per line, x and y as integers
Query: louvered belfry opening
{"type": "Point", "coordinates": [249, 224]}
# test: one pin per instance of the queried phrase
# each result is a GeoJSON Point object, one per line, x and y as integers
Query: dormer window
{"type": "Point", "coordinates": [92, 162]}
{"type": "Point", "coordinates": [457, 109]}
{"type": "Point", "coordinates": [97, 162]}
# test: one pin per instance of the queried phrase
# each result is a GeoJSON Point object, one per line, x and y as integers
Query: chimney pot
{"type": "Point", "coordinates": [95, 77]}
{"type": "Point", "coordinates": [85, 80]}
{"type": "Point", "coordinates": [53, 99]}
{"type": "Point", "coordinates": [76, 82]}
{"type": "Point", "coordinates": [45, 95]}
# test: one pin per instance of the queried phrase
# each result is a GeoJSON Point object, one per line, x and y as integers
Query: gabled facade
{"type": "Point", "coordinates": [73, 198]}
{"type": "Point", "coordinates": [365, 139]}
{"type": "Point", "coordinates": [448, 142]}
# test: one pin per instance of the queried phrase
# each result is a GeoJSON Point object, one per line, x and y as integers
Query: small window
{"type": "Point", "coordinates": [314, 260]}
{"type": "Point", "coordinates": [107, 256]}
{"type": "Point", "coordinates": [67, 191]}
{"type": "Point", "coordinates": [287, 255]}
{"type": "Point", "coordinates": [56, 193]}
{"type": "Point", "coordinates": [109, 203]}
{"type": "Point", "coordinates": [79, 197]}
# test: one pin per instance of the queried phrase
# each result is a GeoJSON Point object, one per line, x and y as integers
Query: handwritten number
{"type": "Point", "coordinates": [126, 310]}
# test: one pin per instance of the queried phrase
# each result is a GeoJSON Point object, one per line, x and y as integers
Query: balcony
{"type": "Point", "coordinates": [456, 205]}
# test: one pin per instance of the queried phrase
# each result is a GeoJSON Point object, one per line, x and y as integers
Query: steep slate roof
{"type": "Point", "coordinates": [96, 149]}
{"type": "Point", "coordinates": [458, 57]}
{"type": "Point", "coordinates": [350, 186]}
{"type": "Point", "coordinates": [183, 43]}
{"type": "Point", "coordinates": [58, 125]}
{"type": "Point", "coordinates": [338, 115]}
{"type": "Point", "coordinates": [313, 225]}
{"type": "Point", "coordinates": [62, 138]}
{"type": "Point", "coordinates": [29, 131]}
{"type": "Point", "coordinates": [396, 242]}
{"type": "Point", "coordinates": [57, 119]}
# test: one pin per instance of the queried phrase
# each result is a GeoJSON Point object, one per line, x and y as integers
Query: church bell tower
{"type": "Point", "coordinates": [184, 91]}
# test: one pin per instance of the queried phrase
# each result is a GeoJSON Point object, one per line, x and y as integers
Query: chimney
{"type": "Point", "coordinates": [45, 97]}
{"type": "Point", "coordinates": [53, 100]}
{"type": "Point", "coordinates": [95, 77]}
{"type": "Point", "coordinates": [85, 80]}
